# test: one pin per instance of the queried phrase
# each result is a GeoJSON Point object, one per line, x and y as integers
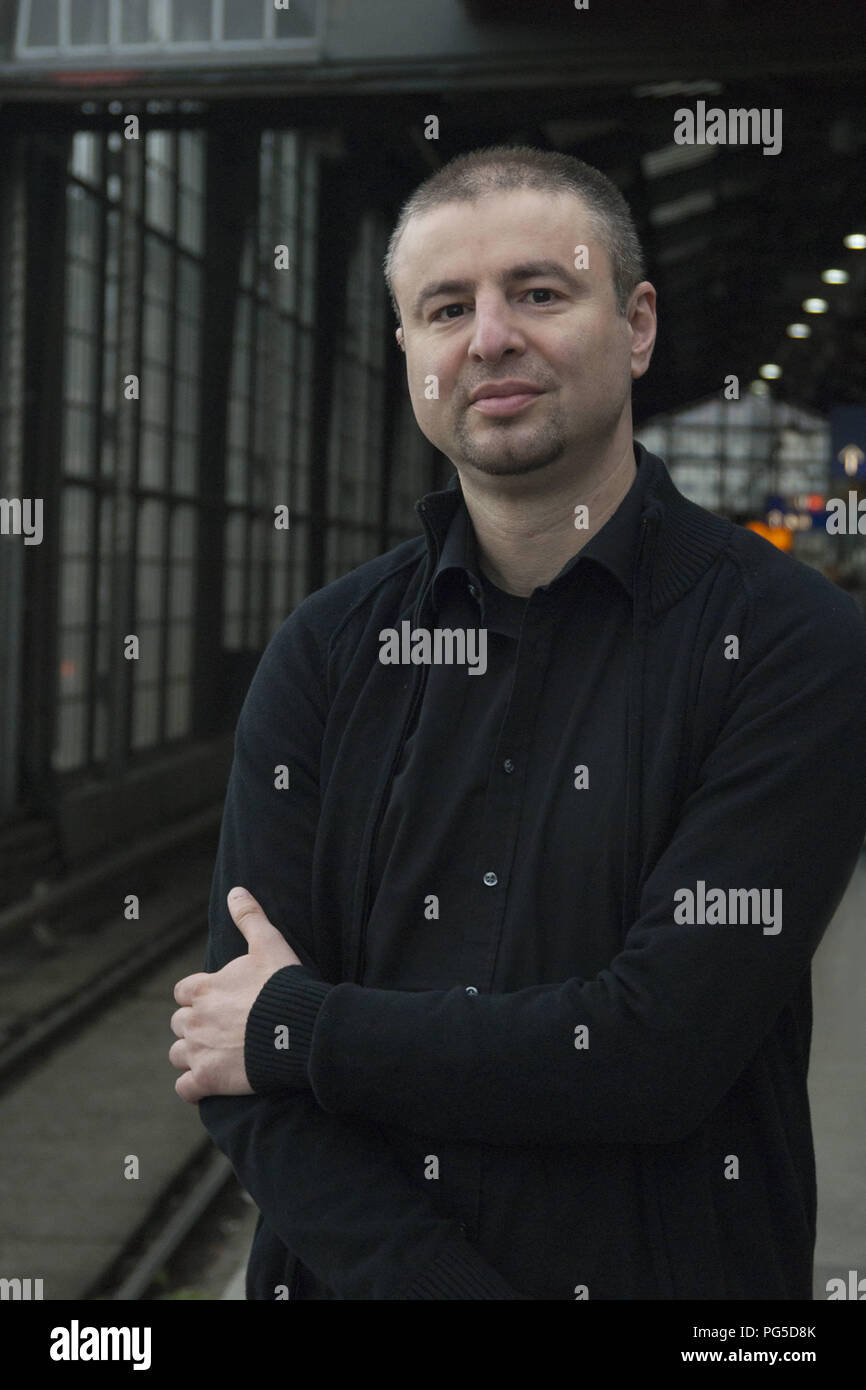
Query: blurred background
{"type": "Point", "coordinates": [163, 386]}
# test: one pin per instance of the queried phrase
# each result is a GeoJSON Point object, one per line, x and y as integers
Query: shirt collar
{"type": "Point", "coordinates": [613, 547]}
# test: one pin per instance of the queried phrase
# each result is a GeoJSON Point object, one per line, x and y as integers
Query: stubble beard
{"type": "Point", "coordinates": [503, 453]}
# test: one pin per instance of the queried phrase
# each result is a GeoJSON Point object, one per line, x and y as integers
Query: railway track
{"type": "Point", "coordinates": [105, 1174]}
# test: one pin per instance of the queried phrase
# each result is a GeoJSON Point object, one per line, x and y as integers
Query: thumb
{"type": "Point", "coordinates": [250, 919]}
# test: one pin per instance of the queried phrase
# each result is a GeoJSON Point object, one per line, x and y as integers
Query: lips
{"type": "Point", "coordinates": [504, 397]}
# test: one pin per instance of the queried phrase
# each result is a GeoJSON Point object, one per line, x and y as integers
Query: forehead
{"type": "Point", "coordinates": [484, 236]}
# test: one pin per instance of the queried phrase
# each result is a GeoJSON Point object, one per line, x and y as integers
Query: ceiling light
{"type": "Point", "coordinates": [855, 242]}
{"type": "Point", "coordinates": [834, 277]}
{"type": "Point", "coordinates": [815, 306]}
{"type": "Point", "coordinates": [770, 371]}
{"type": "Point", "coordinates": [798, 330]}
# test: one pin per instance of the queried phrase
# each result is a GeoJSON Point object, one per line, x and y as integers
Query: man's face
{"type": "Point", "coordinates": [490, 297]}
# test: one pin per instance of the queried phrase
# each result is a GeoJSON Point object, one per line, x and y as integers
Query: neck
{"type": "Point", "coordinates": [525, 536]}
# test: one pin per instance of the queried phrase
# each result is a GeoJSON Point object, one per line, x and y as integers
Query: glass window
{"type": "Point", "coordinates": [137, 22]}
{"type": "Point", "coordinates": [43, 29]}
{"type": "Point", "coordinates": [159, 180]}
{"type": "Point", "coordinates": [191, 21]}
{"type": "Point", "coordinates": [242, 19]}
{"type": "Point", "coordinates": [179, 708]}
{"type": "Point", "coordinates": [71, 734]}
{"type": "Point", "coordinates": [163, 598]}
{"type": "Point", "coordinates": [88, 22]}
{"type": "Point", "coordinates": [154, 394]}
{"type": "Point", "coordinates": [86, 157]}
{"type": "Point", "coordinates": [180, 641]}
{"type": "Point", "coordinates": [191, 173]}
{"type": "Point", "coordinates": [109, 25]}
{"type": "Point", "coordinates": [79, 437]}
{"type": "Point", "coordinates": [152, 457]}
{"type": "Point", "coordinates": [157, 268]}
{"type": "Point", "coordinates": [145, 711]}
{"type": "Point", "coordinates": [296, 22]}
{"type": "Point", "coordinates": [727, 456]}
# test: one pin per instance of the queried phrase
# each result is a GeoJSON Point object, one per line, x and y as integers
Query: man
{"type": "Point", "coordinates": [575, 782]}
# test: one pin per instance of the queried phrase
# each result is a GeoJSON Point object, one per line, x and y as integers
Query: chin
{"type": "Point", "coordinates": [501, 467]}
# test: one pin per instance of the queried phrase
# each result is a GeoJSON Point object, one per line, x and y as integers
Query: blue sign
{"type": "Point", "coordinates": [848, 440]}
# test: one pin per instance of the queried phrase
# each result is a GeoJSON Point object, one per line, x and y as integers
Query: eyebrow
{"type": "Point", "coordinates": [528, 270]}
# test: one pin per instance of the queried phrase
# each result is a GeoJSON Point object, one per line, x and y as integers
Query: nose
{"type": "Point", "coordinates": [495, 331]}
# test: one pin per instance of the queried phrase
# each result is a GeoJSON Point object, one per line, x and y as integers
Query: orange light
{"type": "Point", "coordinates": [779, 536]}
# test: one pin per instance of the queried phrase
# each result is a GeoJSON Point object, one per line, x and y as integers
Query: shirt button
{"type": "Point", "coordinates": [490, 879]}
{"type": "Point", "coordinates": [470, 989]}
{"type": "Point", "coordinates": [508, 765]}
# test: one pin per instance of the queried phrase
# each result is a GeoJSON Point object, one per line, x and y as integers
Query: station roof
{"type": "Point", "coordinates": [737, 239]}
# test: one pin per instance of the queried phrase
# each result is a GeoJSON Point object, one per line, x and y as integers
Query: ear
{"type": "Point", "coordinates": [399, 336]}
{"type": "Point", "coordinates": [642, 324]}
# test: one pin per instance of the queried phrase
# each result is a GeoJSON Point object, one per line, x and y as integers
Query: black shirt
{"type": "Point", "coordinates": [463, 863]}
{"type": "Point", "coordinates": [551, 701]}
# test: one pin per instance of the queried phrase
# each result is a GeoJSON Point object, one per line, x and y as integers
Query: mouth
{"type": "Point", "coordinates": [506, 399]}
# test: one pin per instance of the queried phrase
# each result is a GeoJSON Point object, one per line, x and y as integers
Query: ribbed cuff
{"type": "Point", "coordinates": [279, 1030]}
{"type": "Point", "coordinates": [460, 1272]}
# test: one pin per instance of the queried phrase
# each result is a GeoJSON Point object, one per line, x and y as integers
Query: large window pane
{"type": "Point", "coordinates": [71, 731]}
{"type": "Point", "coordinates": [242, 19]}
{"type": "Point", "coordinates": [297, 22]}
{"type": "Point", "coordinates": [137, 22]}
{"type": "Point", "coordinates": [88, 22]}
{"type": "Point", "coordinates": [191, 20]}
{"type": "Point", "coordinates": [43, 28]}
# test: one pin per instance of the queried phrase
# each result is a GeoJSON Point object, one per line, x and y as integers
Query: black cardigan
{"type": "Point", "coordinates": [742, 771]}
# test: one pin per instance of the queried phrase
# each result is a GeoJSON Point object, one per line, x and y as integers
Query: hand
{"type": "Point", "coordinates": [211, 1023]}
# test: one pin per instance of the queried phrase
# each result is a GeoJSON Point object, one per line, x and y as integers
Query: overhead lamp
{"type": "Point", "coordinates": [770, 371]}
{"type": "Point", "coordinates": [855, 241]}
{"type": "Point", "coordinates": [759, 388]}
{"type": "Point", "coordinates": [815, 306]}
{"type": "Point", "coordinates": [834, 277]}
{"type": "Point", "coordinates": [798, 330]}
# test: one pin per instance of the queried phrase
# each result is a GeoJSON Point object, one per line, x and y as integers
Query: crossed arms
{"type": "Point", "coordinates": [670, 1024]}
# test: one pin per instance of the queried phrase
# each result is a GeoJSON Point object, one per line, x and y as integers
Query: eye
{"type": "Point", "coordinates": [444, 310]}
{"type": "Point", "coordinates": [445, 314]}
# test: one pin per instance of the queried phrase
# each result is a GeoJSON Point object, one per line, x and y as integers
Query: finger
{"type": "Point", "coordinates": [178, 1055]}
{"type": "Point", "coordinates": [188, 1089]}
{"type": "Point", "coordinates": [184, 990]}
{"type": "Point", "coordinates": [180, 1021]}
{"type": "Point", "coordinates": [249, 918]}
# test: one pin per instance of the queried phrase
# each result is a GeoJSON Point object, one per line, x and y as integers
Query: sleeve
{"type": "Point", "coordinates": [332, 1190]}
{"type": "Point", "coordinates": [290, 999]}
{"type": "Point", "coordinates": [779, 805]}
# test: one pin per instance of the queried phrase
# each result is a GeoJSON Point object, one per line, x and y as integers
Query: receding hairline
{"type": "Point", "coordinates": [478, 195]}
{"type": "Point", "coordinates": [514, 168]}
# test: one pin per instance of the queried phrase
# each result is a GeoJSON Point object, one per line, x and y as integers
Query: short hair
{"type": "Point", "coordinates": [502, 168]}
